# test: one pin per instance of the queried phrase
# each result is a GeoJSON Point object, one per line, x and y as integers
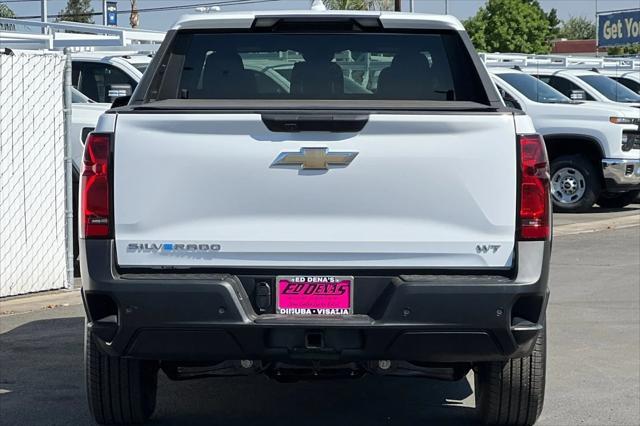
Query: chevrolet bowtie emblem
{"type": "Point", "coordinates": [314, 159]}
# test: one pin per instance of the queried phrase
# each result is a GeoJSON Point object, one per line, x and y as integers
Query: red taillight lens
{"type": "Point", "coordinates": [94, 187]}
{"type": "Point", "coordinates": [535, 211]}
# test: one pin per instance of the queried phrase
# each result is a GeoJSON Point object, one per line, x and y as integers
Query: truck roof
{"type": "Point", "coordinates": [502, 70]}
{"type": "Point", "coordinates": [397, 20]}
{"type": "Point", "coordinates": [129, 55]}
{"type": "Point", "coordinates": [561, 71]}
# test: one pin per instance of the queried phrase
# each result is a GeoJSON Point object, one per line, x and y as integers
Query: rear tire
{"type": "Point", "coordinates": [575, 184]}
{"type": "Point", "coordinates": [120, 391]}
{"type": "Point", "coordinates": [512, 393]}
{"type": "Point", "coordinates": [617, 200]}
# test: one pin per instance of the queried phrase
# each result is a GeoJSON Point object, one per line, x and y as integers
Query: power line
{"type": "Point", "coordinates": [158, 9]}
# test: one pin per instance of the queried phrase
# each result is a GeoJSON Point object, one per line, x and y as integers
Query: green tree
{"type": "Point", "coordinates": [629, 49]}
{"type": "Point", "coordinates": [359, 4]}
{"type": "Point", "coordinates": [578, 28]}
{"type": "Point", "coordinates": [346, 4]}
{"type": "Point", "coordinates": [77, 11]}
{"type": "Point", "coordinates": [380, 4]}
{"type": "Point", "coordinates": [6, 12]}
{"type": "Point", "coordinates": [511, 26]}
{"type": "Point", "coordinates": [554, 24]}
{"type": "Point", "coordinates": [552, 17]}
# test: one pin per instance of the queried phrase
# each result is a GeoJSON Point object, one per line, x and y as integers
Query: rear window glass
{"type": "Point", "coordinates": [327, 66]}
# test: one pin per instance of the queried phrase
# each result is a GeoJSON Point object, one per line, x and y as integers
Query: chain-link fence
{"type": "Point", "coordinates": [32, 173]}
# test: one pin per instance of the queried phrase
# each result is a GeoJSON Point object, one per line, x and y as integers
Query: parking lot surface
{"type": "Point", "coordinates": [596, 214]}
{"type": "Point", "coordinates": [593, 375]}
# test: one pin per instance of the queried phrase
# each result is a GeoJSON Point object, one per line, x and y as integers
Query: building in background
{"type": "Point", "coordinates": [575, 47]}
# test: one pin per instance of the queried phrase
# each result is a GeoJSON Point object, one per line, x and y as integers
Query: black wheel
{"type": "Point", "coordinates": [610, 200]}
{"type": "Point", "coordinates": [575, 184]}
{"type": "Point", "coordinates": [512, 393]}
{"type": "Point", "coordinates": [120, 391]}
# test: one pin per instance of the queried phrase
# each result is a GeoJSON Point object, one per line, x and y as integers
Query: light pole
{"type": "Point", "coordinates": [104, 12]}
{"type": "Point", "coordinates": [43, 13]}
{"type": "Point", "coordinates": [597, 52]}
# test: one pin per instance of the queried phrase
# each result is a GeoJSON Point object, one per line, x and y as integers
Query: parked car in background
{"type": "Point", "coordinates": [627, 77]}
{"type": "Point", "coordinates": [84, 117]}
{"type": "Point", "coordinates": [104, 76]}
{"type": "Point", "coordinates": [624, 70]}
{"type": "Point", "coordinates": [595, 86]}
{"type": "Point", "coordinates": [594, 148]}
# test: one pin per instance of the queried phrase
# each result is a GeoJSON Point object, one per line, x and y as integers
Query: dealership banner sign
{"type": "Point", "coordinates": [619, 28]}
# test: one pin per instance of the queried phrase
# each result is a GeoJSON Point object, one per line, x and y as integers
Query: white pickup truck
{"type": "Point", "coordinates": [314, 232]}
{"type": "Point", "coordinates": [625, 71]}
{"type": "Point", "coordinates": [594, 147]}
{"type": "Point", "coordinates": [591, 85]}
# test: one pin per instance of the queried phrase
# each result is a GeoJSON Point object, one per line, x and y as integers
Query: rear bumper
{"type": "Point", "coordinates": [621, 175]}
{"type": "Point", "coordinates": [210, 317]}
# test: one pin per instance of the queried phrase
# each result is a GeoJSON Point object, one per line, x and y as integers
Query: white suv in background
{"type": "Point", "coordinates": [594, 148]}
{"type": "Point", "coordinates": [104, 76]}
{"type": "Point", "coordinates": [596, 87]}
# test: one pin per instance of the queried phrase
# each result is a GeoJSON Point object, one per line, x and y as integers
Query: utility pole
{"type": "Point", "coordinates": [411, 6]}
{"type": "Point", "coordinates": [446, 7]}
{"type": "Point", "coordinates": [597, 35]}
{"type": "Point", "coordinates": [398, 5]}
{"type": "Point", "coordinates": [104, 12]}
{"type": "Point", "coordinates": [43, 14]}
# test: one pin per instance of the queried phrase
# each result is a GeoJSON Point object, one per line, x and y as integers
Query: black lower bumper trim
{"type": "Point", "coordinates": [209, 318]}
{"type": "Point", "coordinates": [444, 346]}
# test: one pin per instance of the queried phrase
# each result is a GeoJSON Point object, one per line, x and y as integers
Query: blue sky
{"type": "Point", "coordinates": [460, 8]}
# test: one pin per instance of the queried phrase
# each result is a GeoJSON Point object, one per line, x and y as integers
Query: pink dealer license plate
{"type": "Point", "coordinates": [314, 295]}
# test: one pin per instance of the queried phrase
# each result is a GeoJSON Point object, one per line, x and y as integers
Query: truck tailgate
{"type": "Point", "coordinates": [423, 191]}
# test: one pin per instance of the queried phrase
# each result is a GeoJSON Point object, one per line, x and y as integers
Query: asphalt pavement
{"type": "Point", "coordinates": [596, 214]}
{"type": "Point", "coordinates": [593, 375]}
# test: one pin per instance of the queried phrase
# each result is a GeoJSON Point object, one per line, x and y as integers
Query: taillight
{"type": "Point", "coordinates": [94, 187]}
{"type": "Point", "coordinates": [535, 209]}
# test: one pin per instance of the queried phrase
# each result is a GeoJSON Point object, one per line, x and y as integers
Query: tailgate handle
{"type": "Point", "coordinates": [293, 123]}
